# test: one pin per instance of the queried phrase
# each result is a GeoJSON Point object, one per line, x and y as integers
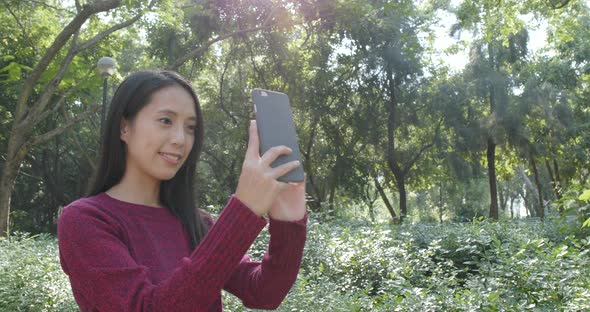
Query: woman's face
{"type": "Point", "coordinates": [161, 136]}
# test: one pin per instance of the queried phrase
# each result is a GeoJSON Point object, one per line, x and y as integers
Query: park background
{"type": "Point", "coordinates": [445, 143]}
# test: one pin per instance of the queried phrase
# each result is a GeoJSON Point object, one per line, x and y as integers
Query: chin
{"type": "Point", "coordinates": [166, 176]}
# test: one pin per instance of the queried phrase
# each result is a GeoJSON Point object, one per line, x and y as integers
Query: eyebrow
{"type": "Point", "coordinates": [171, 112]}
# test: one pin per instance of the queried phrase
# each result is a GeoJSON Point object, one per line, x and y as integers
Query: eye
{"type": "Point", "coordinates": [191, 129]}
{"type": "Point", "coordinates": [165, 120]}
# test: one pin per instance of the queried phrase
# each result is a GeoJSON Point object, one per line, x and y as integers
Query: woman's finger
{"type": "Point", "coordinates": [273, 153]}
{"type": "Point", "coordinates": [253, 151]}
{"type": "Point", "coordinates": [284, 169]}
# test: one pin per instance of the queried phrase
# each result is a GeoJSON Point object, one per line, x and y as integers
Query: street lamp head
{"type": "Point", "coordinates": [106, 66]}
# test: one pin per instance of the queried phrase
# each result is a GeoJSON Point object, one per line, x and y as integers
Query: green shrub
{"type": "Point", "coordinates": [30, 275]}
{"type": "Point", "coordinates": [354, 266]}
{"type": "Point", "coordinates": [482, 266]}
{"type": "Point", "coordinates": [576, 200]}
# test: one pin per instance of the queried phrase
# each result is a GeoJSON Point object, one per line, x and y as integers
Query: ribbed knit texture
{"type": "Point", "coordinates": [127, 257]}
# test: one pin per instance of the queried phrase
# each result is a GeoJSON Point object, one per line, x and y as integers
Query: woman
{"type": "Point", "coordinates": [137, 243]}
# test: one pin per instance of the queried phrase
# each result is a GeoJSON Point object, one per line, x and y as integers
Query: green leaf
{"type": "Point", "coordinates": [8, 58]}
{"type": "Point", "coordinates": [14, 71]}
{"type": "Point", "coordinates": [586, 223]}
{"type": "Point", "coordinates": [562, 252]}
{"type": "Point", "coordinates": [585, 196]}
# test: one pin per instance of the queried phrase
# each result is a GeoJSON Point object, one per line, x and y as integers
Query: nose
{"type": "Point", "coordinates": [178, 136]}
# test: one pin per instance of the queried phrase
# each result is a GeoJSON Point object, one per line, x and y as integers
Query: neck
{"type": "Point", "coordinates": [136, 190]}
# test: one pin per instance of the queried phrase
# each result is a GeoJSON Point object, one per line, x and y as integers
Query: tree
{"type": "Point", "coordinates": [499, 48]}
{"type": "Point", "coordinates": [385, 38]}
{"type": "Point", "coordinates": [565, 77]}
{"type": "Point", "coordinates": [45, 77]}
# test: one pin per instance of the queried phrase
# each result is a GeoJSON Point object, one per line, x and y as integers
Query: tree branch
{"type": "Point", "coordinates": [254, 65]}
{"type": "Point", "coordinates": [60, 102]}
{"type": "Point", "coordinates": [423, 149]}
{"type": "Point", "coordinates": [39, 112]}
{"type": "Point", "coordinates": [57, 131]}
{"type": "Point", "coordinates": [31, 176]}
{"type": "Point", "coordinates": [221, 81]}
{"type": "Point", "coordinates": [104, 34]}
{"type": "Point", "coordinates": [385, 199]}
{"type": "Point", "coordinates": [63, 37]}
{"type": "Point", "coordinates": [560, 5]}
{"type": "Point", "coordinates": [21, 27]}
{"type": "Point", "coordinates": [198, 51]}
{"type": "Point", "coordinates": [52, 7]}
{"type": "Point", "coordinates": [222, 163]}
{"type": "Point", "coordinates": [38, 108]}
{"type": "Point", "coordinates": [77, 142]}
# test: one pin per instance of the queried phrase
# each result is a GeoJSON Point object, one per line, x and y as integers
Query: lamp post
{"type": "Point", "coordinates": [106, 67]}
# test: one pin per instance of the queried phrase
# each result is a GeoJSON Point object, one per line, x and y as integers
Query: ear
{"type": "Point", "coordinates": [124, 130]}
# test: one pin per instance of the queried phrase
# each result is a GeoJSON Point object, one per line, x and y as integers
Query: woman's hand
{"type": "Point", "coordinates": [290, 203]}
{"type": "Point", "coordinates": [258, 187]}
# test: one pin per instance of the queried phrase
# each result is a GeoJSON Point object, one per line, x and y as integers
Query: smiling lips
{"type": "Point", "coordinates": [171, 158]}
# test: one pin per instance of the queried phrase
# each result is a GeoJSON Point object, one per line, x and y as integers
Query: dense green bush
{"type": "Point", "coordinates": [576, 201]}
{"type": "Point", "coordinates": [354, 266]}
{"type": "Point", "coordinates": [483, 266]}
{"type": "Point", "coordinates": [30, 275]}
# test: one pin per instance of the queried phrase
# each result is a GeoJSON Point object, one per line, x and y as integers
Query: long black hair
{"type": "Point", "coordinates": [176, 194]}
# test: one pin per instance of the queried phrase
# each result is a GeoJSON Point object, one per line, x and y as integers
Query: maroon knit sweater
{"type": "Point", "coordinates": [121, 256]}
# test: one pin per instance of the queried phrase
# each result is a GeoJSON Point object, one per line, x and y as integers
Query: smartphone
{"type": "Point", "coordinates": [274, 120]}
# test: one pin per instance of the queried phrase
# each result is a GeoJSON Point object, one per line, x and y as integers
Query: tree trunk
{"type": "Point", "coordinates": [392, 160]}
{"type": "Point", "coordinates": [401, 187]}
{"type": "Point", "coordinates": [315, 204]}
{"type": "Point", "coordinates": [539, 190]}
{"type": "Point", "coordinates": [527, 205]}
{"type": "Point", "coordinates": [529, 186]}
{"type": "Point", "coordinates": [557, 178]}
{"type": "Point", "coordinates": [554, 181]}
{"type": "Point", "coordinates": [394, 217]}
{"type": "Point", "coordinates": [372, 206]}
{"type": "Point", "coordinates": [15, 156]}
{"type": "Point", "coordinates": [6, 187]}
{"type": "Point", "coordinates": [551, 178]}
{"type": "Point", "coordinates": [440, 204]}
{"type": "Point", "coordinates": [331, 198]}
{"type": "Point", "coordinates": [370, 199]}
{"type": "Point", "coordinates": [491, 156]}
{"type": "Point", "coordinates": [502, 199]}
{"type": "Point", "coordinates": [491, 151]}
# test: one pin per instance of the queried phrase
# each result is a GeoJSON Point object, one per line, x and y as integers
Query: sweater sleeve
{"type": "Point", "coordinates": [264, 285]}
{"type": "Point", "coordinates": [103, 273]}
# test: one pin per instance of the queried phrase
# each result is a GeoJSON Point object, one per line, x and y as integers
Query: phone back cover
{"type": "Point", "coordinates": [274, 120]}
